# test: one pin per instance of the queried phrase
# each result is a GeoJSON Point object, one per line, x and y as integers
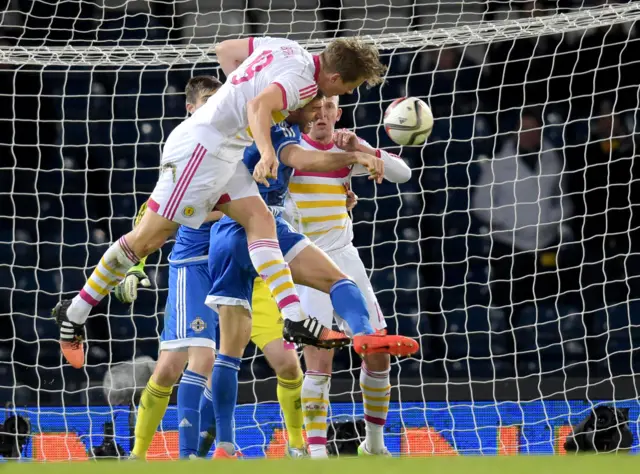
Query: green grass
{"type": "Point", "coordinates": [592, 464]}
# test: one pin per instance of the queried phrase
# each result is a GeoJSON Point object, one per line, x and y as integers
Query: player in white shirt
{"type": "Point", "coordinates": [201, 168]}
{"type": "Point", "coordinates": [316, 207]}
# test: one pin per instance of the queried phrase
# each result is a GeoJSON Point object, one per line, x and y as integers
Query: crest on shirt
{"type": "Point", "coordinates": [188, 211]}
{"type": "Point", "coordinates": [198, 325]}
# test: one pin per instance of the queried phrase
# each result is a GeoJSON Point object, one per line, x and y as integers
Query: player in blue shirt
{"type": "Point", "coordinates": [233, 274]}
{"type": "Point", "coordinates": [189, 334]}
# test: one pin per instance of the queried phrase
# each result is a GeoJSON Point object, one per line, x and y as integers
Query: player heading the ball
{"type": "Point", "coordinates": [201, 168]}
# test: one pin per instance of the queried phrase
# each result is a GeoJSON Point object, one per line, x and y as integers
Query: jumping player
{"type": "Point", "coordinates": [202, 155]}
{"type": "Point", "coordinates": [190, 327]}
{"type": "Point", "coordinates": [322, 220]}
{"type": "Point", "coordinates": [233, 275]}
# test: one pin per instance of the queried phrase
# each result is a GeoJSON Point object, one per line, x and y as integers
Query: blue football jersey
{"type": "Point", "coordinates": [192, 245]}
{"type": "Point", "coordinates": [282, 135]}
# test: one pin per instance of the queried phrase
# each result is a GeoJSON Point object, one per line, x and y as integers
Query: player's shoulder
{"type": "Point", "coordinates": [285, 129]}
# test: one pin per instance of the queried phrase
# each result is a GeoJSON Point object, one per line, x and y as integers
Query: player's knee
{"type": "Point", "coordinates": [318, 360]}
{"type": "Point", "coordinates": [377, 362]}
{"type": "Point", "coordinates": [150, 234]}
{"type": "Point", "coordinates": [169, 368]}
{"type": "Point", "coordinates": [289, 370]}
{"type": "Point", "coordinates": [201, 360]}
{"type": "Point", "coordinates": [262, 221]}
{"type": "Point", "coordinates": [284, 364]}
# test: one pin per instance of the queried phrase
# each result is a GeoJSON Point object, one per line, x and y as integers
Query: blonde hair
{"type": "Point", "coordinates": [354, 60]}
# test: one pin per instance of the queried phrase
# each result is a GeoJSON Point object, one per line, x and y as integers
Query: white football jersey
{"type": "Point", "coordinates": [317, 203]}
{"type": "Point", "coordinates": [271, 61]}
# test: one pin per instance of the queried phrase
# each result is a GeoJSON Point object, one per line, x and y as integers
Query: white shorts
{"type": "Point", "coordinates": [318, 304]}
{"type": "Point", "coordinates": [193, 180]}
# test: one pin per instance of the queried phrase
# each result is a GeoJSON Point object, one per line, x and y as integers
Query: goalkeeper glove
{"type": "Point", "coordinates": [127, 290]}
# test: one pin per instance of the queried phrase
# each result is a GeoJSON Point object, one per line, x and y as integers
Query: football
{"type": "Point", "coordinates": [408, 121]}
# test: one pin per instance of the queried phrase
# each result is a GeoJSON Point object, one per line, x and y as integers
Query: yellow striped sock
{"type": "Point", "coordinates": [289, 399]}
{"type": "Point", "coordinates": [151, 410]}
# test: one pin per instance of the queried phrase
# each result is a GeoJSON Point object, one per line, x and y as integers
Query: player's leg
{"type": "Point", "coordinates": [197, 329]}
{"type": "Point", "coordinates": [232, 286]}
{"type": "Point", "coordinates": [188, 336]}
{"type": "Point", "coordinates": [155, 399]}
{"type": "Point", "coordinates": [317, 378]}
{"type": "Point", "coordinates": [235, 332]}
{"type": "Point", "coordinates": [374, 374]}
{"type": "Point", "coordinates": [190, 391]}
{"type": "Point", "coordinates": [207, 421]}
{"type": "Point", "coordinates": [313, 268]}
{"type": "Point", "coordinates": [315, 398]}
{"type": "Point", "coordinates": [376, 393]}
{"type": "Point", "coordinates": [266, 333]}
{"type": "Point", "coordinates": [180, 197]}
{"type": "Point", "coordinates": [71, 315]}
{"type": "Point", "coordinates": [249, 210]}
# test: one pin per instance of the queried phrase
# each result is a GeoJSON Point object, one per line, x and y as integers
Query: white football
{"type": "Point", "coordinates": [408, 121]}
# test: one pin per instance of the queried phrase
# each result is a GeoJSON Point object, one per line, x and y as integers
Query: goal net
{"type": "Point", "coordinates": [511, 254]}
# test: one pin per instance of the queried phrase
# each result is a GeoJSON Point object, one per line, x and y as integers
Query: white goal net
{"type": "Point", "coordinates": [511, 254]}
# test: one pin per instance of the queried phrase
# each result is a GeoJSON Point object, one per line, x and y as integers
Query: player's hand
{"type": "Point", "coordinates": [373, 164]}
{"type": "Point", "coordinates": [127, 290]}
{"type": "Point", "coordinates": [267, 167]}
{"type": "Point", "coordinates": [352, 200]}
{"type": "Point", "coordinates": [345, 140]}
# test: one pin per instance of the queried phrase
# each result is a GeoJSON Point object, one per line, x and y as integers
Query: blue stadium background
{"type": "Point", "coordinates": [469, 428]}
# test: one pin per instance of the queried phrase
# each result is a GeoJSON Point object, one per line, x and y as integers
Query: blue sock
{"type": "Point", "coordinates": [207, 423]}
{"type": "Point", "coordinates": [189, 392]}
{"type": "Point", "coordinates": [224, 388]}
{"type": "Point", "coordinates": [349, 303]}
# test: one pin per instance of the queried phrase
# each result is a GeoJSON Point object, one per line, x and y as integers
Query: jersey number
{"type": "Point", "coordinates": [255, 66]}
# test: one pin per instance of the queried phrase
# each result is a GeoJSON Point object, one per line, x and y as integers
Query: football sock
{"type": "Point", "coordinates": [269, 262]}
{"type": "Point", "coordinates": [376, 393]}
{"type": "Point", "coordinates": [349, 303]}
{"type": "Point", "coordinates": [189, 393]}
{"type": "Point", "coordinates": [224, 391]}
{"type": "Point", "coordinates": [153, 405]}
{"type": "Point", "coordinates": [289, 398]}
{"type": "Point", "coordinates": [207, 423]}
{"type": "Point", "coordinates": [315, 405]}
{"type": "Point", "coordinates": [110, 271]}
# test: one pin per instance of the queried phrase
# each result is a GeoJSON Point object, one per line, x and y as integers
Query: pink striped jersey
{"type": "Point", "coordinates": [271, 61]}
{"type": "Point", "coordinates": [316, 202]}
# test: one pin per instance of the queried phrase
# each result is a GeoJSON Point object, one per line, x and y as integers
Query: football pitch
{"type": "Point", "coordinates": [586, 464]}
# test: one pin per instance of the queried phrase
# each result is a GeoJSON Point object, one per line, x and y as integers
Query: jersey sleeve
{"type": "Point", "coordinates": [281, 136]}
{"type": "Point", "coordinates": [395, 168]}
{"type": "Point", "coordinates": [296, 90]}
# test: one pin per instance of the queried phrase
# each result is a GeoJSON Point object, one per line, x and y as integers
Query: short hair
{"type": "Point", "coordinates": [201, 87]}
{"type": "Point", "coordinates": [354, 59]}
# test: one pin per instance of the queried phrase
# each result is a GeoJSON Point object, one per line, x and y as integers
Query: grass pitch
{"type": "Point", "coordinates": [585, 464]}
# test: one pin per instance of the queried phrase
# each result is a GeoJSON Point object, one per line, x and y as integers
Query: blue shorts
{"type": "Point", "coordinates": [188, 321]}
{"type": "Point", "coordinates": [230, 267]}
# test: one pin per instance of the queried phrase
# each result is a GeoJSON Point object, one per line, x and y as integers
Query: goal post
{"type": "Point", "coordinates": [511, 254]}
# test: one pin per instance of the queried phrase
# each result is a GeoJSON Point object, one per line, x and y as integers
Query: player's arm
{"type": "Point", "coordinates": [302, 159]}
{"type": "Point", "coordinates": [127, 290]}
{"type": "Point", "coordinates": [231, 53]}
{"type": "Point", "coordinates": [259, 112]}
{"type": "Point", "coordinates": [396, 170]}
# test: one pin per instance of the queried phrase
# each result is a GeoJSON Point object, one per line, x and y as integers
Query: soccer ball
{"type": "Point", "coordinates": [408, 121]}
